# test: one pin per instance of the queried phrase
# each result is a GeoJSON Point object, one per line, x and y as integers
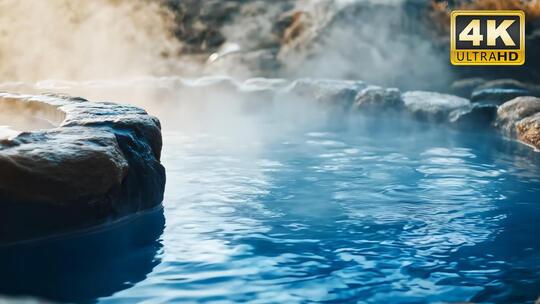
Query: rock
{"type": "Point", "coordinates": [243, 63]}
{"type": "Point", "coordinates": [339, 93]}
{"type": "Point", "coordinates": [198, 23]}
{"type": "Point", "coordinates": [377, 98]}
{"type": "Point", "coordinates": [264, 84]}
{"type": "Point", "coordinates": [502, 90]}
{"type": "Point", "coordinates": [301, 30]}
{"type": "Point", "coordinates": [100, 162]}
{"type": "Point", "coordinates": [528, 130]}
{"type": "Point", "coordinates": [515, 110]}
{"type": "Point", "coordinates": [431, 106]}
{"type": "Point", "coordinates": [57, 167]}
{"type": "Point", "coordinates": [478, 116]}
{"type": "Point", "coordinates": [465, 87]}
{"type": "Point", "coordinates": [209, 83]}
{"type": "Point", "coordinates": [496, 96]}
{"type": "Point", "coordinates": [285, 26]}
{"type": "Point", "coordinates": [507, 84]}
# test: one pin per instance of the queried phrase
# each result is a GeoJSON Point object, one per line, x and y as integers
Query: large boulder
{"type": "Point", "coordinates": [515, 110]}
{"type": "Point", "coordinates": [101, 161]}
{"type": "Point", "coordinates": [431, 106]}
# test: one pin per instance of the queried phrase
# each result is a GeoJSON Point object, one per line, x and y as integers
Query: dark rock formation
{"type": "Point", "coordinates": [497, 96]}
{"type": "Point", "coordinates": [522, 112]}
{"type": "Point", "coordinates": [362, 39]}
{"type": "Point", "coordinates": [204, 26]}
{"type": "Point", "coordinates": [431, 106]}
{"type": "Point", "coordinates": [506, 83]}
{"type": "Point", "coordinates": [502, 90]}
{"type": "Point", "coordinates": [102, 161]}
{"type": "Point", "coordinates": [465, 87]}
{"type": "Point", "coordinates": [198, 22]}
{"type": "Point", "coordinates": [477, 117]}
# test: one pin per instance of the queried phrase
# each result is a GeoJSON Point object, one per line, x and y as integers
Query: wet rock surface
{"type": "Point", "coordinates": [502, 90]}
{"type": "Point", "coordinates": [376, 98]}
{"type": "Point", "coordinates": [477, 117]}
{"type": "Point", "coordinates": [100, 162]}
{"type": "Point", "coordinates": [497, 96]}
{"type": "Point", "coordinates": [514, 110]}
{"type": "Point", "coordinates": [528, 130]}
{"type": "Point", "coordinates": [339, 92]}
{"type": "Point", "coordinates": [523, 112]}
{"type": "Point", "coordinates": [432, 106]}
{"type": "Point", "coordinates": [465, 87]}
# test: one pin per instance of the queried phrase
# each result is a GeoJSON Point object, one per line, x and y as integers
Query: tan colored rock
{"type": "Point", "coordinates": [432, 106]}
{"type": "Point", "coordinates": [377, 98]}
{"type": "Point", "coordinates": [528, 130]}
{"type": "Point", "coordinates": [515, 110]}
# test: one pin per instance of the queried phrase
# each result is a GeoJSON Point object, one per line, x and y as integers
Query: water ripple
{"type": "Point", "coordinates": [338, 216]}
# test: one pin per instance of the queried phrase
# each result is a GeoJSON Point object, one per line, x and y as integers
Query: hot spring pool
{"type": "Point", "coordinates": [376, 213]}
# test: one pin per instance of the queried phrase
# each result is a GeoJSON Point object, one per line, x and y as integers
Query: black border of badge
{"type": "Point", "coordinates": [453, 51]}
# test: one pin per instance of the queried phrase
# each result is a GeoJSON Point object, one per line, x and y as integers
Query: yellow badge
{"type": "Point", "coordinates": [487, 37]}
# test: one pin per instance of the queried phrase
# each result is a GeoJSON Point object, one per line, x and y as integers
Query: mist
{"type": "Point", "coordinates": [127, 52]}
{"type": "Point", "coordinates": [381, 42]}
{"type": "Point", "coordinates": [81, 40]}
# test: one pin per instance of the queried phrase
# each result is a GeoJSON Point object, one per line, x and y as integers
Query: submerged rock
{"type": "Point", "coordinates": [100, 162]}
{"type": "Point", "coordinates": [431, 106]}
{"type": "Point", "coordinates": [519, 118]}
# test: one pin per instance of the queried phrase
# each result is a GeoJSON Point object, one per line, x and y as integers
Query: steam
{"type": "Point", "coordinates": [382, 42]}
{"type": "Point", "coordinates": [81, 40]}
{"type": "Point", "coordinates": [125, 51]}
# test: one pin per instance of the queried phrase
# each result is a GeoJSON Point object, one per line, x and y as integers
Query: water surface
{"type": "Point", "coordinates": [357, 212]}
{"type": "Point", "coordinates": [369, 212]}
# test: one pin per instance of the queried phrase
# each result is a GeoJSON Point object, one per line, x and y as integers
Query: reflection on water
{"type": "Point", "coordinates": [363, 212]}
{"type": "Point", "coordinates": [396, 214]}
{"type": "Point", "coordinates": [84, 267]}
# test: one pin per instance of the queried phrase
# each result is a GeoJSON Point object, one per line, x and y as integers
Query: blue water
{"type": "Point", "coordinates": [358, 212]}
